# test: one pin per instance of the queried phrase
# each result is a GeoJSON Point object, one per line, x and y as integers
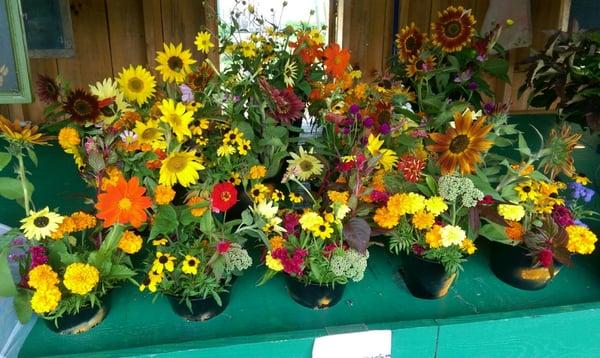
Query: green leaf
{"type": "Point", "coordinates": [165, 221]}
{"type": "Point", "coordinates": [7, 284]}
{"type": "Point", "coordinates": [4, 159]}
{"type": "Point", "coordinates": [495, 232]}
{"type": "Point", "coordinates": [11, 189]}
{"type": "Point", "coordinates": [497, 67]}
{"type": "Point", "coordinates": [32, 156]}
{"type": "Point", "coordinates": [247, 218]}
{"type": "Point", "coordinates": [305, 87]}
{"type": "Point", "coordinates": [207, 223]}
{"type": "Point", "coordinates": [121, 272]}
{"type": "Point", "coordinates": [22, 305]}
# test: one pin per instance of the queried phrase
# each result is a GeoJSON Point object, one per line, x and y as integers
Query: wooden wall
{"type": "Point", "coordinates": [111, 34]}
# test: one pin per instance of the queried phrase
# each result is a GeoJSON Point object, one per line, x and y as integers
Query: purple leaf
{"type": "Point", "coordinates": [357, 233]}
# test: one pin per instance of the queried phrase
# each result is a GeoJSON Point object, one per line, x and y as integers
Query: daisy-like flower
{"type": "Point", "coordinates": [266, 209]}
{"type": "Point", "coordinates": [180, 167]}
{"type": "Point", "coordinates": [225, 150]}
{"type": "Point", "coordinates": [108, 90]}
{"type": "Point", "coordinates": [290, 73]}
{"type": "Point", "coordinates": [174, 63]}
{"type": "Point", "coordinates": [128, 137]}
{"type": "Point", "coordinates": [190, 265]}
{"type": "Point", "coordinates": [295, 198]}
{"type": "Point", "coordinates": [137, 84]}
{"type": "Point", "coordinates": [244, 147]}
{"type": "Point", "coordinates": [123, 203]}
{"type": "Point", "coordinates": [418, 65]}
{"type": "Point", "coordinates": [258, 192]}
{"type": "Point", "coordinates": [409, 42]}
{"type": "Point", "coordinates": [248, 49]}
{"type": "Point", "coordinates": [526, 191]}
{"type": "Point", "coordinates": [163, 261]}
{"type": "Point", "coordinates": [40, 224]}
{"type": "Point", "coordinates": [202, 42]}
{"type": "Point", "coordinates": [336, 60]}
{"type": "Point", "coordinates": [150, 133]}
{"type": "Point", "coordinates": [178, 118]}
{"type": "Point", "coordinates": [20, 132]}
{"type": "Point", "coordinates": [454, 29]}
{"type": "Point", "coordinates": [223, 197]}
{"type": "Point", "coordinates": [304, 165]}
{"type": "Point", "coordinates": [323, 231]}
{"type": "Point", "coordinates": [277, 195]}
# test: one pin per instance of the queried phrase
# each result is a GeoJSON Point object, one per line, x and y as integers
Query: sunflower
{"type": "Point", "coordinates": [418, 65]}
{"type": "Point", "coordinates": [40, 224]}
{"type": "Point", "coordinates": [48, 90]}
{"type": "Point", "coordinates": [150, 133]}
{"type": "Point", "coordinates": [560, 152]}
{"type": "Point", "coordinates": [322, 231]}
{"type": "Point", "coordinates": [305, 165]}
{"type": "Point", "coordinates": [123, 203]}
{"type": "Point", "coordinates": [82, 106]}
{"type": "Point", "coordinates": [180, 167]}
{"type": "Point", "coordinates": [21, 132]}
{"type": "Point", "coordinates": [174, 63]}
{"type": "Point", "coordinates": [137, 84]}
{"type": "Point", "coordinates": [461, 146]}
{"type": "Point", "coordinates": [176, 115]}
{"type": "Point", "coordinates": [409, 42]}
{"type": "Point", "coordinates": [108, 90]}
{"type": "Point", "coordinates": [454, 29]}
{"type": "Point", "coordinates": [203, 43]}
{"type": "Point", "coordinates": [198, 80]}
{"type": "Point", "coordinates": [190, 265]}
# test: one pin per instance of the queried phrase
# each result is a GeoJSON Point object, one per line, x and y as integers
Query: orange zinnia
{"type": "Point", "coordinates": [123, 203]}
{"type": "Point", "coordinates": [336, 60]}
{"type": "Point", "coordinates": [461, 146]}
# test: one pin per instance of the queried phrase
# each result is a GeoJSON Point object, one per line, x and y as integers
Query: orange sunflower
{"type": "Point", "coordinates": [454, 29]}
{"type": "Point", "coordinates": [336, 60]}
{"type": "Point", "coordinates": [417, 65]}
{"type": "Point", "coordinates": [561, 143]}
{"type": "Point", "coordinates": [123, 203]}
{"type": "Point", "coordinates": [461, 146]}
{"type": "Point", "coordinates": [409, 42]}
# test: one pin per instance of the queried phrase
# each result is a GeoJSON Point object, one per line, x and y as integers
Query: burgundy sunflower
{"type": "Point", "coordinates": [409, 42]}
{"type": "Point", "coordinates": [47, 89]}
{"type": "Point", "coordinates": [418, 65]}
{"type": "Point", "coordinates": [454, 29]}
{"type": "Point", "coordinates": [82, 106]}
{"type": "Point", "coordinates": [199, 79]}
{"type": "Point", "coordinates": [286, 107]}
{"type": "Point", "coordinates": [461, 146]}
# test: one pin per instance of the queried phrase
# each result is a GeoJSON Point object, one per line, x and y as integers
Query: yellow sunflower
{"type": "Point", "coordinates": [40, 224]}
{"type": "Point", "coordinates": [137, 84]}
{"type": "Point", "coordinates": [454, 29]}
{"type": "Point", "coordinates": [177, 117]}
{"type": "Point", "coordinates": [150, 133]}
{"type": "Point", "coordinates": [461, 146]}
{"type": "Point", "coordinates": [304, 165]}
{"type": "Point", "coordinates": [174, 63]}
{"type": "Point", "coordinates": [180, 167]}
{"type": "Point", "coordinates": [21, 132]}
{"type": "Point", "coordinates": [409, 42]}
{"type": "Point", "coordinates": [106, 90]}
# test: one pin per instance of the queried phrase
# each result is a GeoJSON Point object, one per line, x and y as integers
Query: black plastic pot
{"type": "Point", "coordinates": [202, 309]}
{"type": "Point", "coordinates": [425, 278]}
{"type": "Point", "coordinates": [314, 296]}
{"type": "Point", "coordinates": [86, 319]}
{"type": "Point", "coordinates": [514, 266]}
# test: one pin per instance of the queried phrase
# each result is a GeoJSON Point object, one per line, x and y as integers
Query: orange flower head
{"type": "Point", "coordinates": [454, 29]}
{"type": "Point", "coordinates": [336, 60]}
{"type": "Point", "coordinates": [514, 230]}
{"type": "Point", "coordinates": [123, 203]}
{"type": "Point", "coordinates": [461, 146]}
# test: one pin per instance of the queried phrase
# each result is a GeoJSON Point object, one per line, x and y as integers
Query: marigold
{"type": "Point", "coordinates": [81, 278]}
{"type": "Point", "coordinates": [68, 137]}
{"type": "Point", "coordinates": [452, 235]}
{"type": "Point", "coordinates": [83, 220]}
{"type": "Point", "coordinates": [66, 227]}
{"type": "Point", "coordinates": [581, 239]}
{"type": "Point", "coordinates": [433, 237]}
{"type": "Point", "coordinates": [123, 203]}
{"type": "Point", "coordinates": [423, 220]}
{"type": "Point", "coordinates": [436, 205]}
{"type": "Point", "coordinates": [45, 300]}
{"type": "Point", "coordinates": [468, 246]}
{"type": "Point", "coordinates": [276, 242]}
{"type": "Point", "coordinates": [385, 218]}
{"type": "Point", "coordinates": [514, 230]}
{"type": "Point", "coordinates": [193, 202]}
{"type": "Point", "coordinates": [338, 196]}
{"type": "Point", "coordinates": [511, 212]}
{"type": "Point", "coordinates": [130, 243]}
{"type": "Point", "coordinates": [163, 194]}
{"type": "Point", "coordinates": [42, 277]}
{"type": "Point", "coordinates": [257, 172]}
{"type": "Point", "coordinates": [273, 263]}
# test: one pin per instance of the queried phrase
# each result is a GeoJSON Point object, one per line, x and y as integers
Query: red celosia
{"type": "Point", "coordinates": [487, 200]}
{"type": "Point", "coordinates": [223, 246]}
{"type": "Point", "coordinates": [38, 256]}
{"type": "Point", "coordinates": [223, 197]}
{"type": "Point", "coordinates": [562, 215]}
{"type": "Point", "coordinates": [291, 265]}
{"type": "Point", "coordinates": [290, 223]}
{"type": "Point", "coordinates": [546, 257]}
{"type": "Point", "coordinates": [411, 167]}
{"type": "Point", "coordinates": [379, 197]}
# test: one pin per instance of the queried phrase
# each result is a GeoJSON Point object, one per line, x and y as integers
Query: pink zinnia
{"type": "Point", "coordinates": [286, 106]}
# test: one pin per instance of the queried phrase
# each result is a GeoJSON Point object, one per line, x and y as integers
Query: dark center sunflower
{"type": "Point", "coordinates": [329, 210]}
{"type": "Point", "coordinates": [553, 195]}
{"type": "Point", "coordinates": [41, 222]}
{"type": "Point", "coordinates": [306, 165]}
{"type": "Point", "coordinates": [191, 262]}
{"type": "Point", "coordinates": [176, 164]}
{"type": "Point", "coordinates": [163, 259]}
{"type": "Point", "coordinates": [419, 64]}
{"type": "Point", "coordinates": [459, 143]}
{"type": "Point", "coordinates": [411, 43]}
{"type": "Point", "coordinates": [175, 120]}
{"type": "Point", "coordinates": [135, 84]}
{"type": "Point", "coordinates": [232, 137]}
{"type": "Point", "coordinates": [175, 63]}
{"type": "Point", "coordinates": [146, 281]}
{"type": "Point", "coordinates": [149, 133]}
{"type": "Point", "coordinates": [452, 29]}
{"type": "Point", "coordinates": [255, 192]}
{"type": "Point", "coordinates": [82, 108]}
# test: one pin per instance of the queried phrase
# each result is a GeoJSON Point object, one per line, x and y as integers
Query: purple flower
{"type": "Point", "coordinates": [187, 95]}
{"type": "Point", "coordinates": [354, 109]}
{"type": "Point", "coordinates": [464, 76]}
{"type": "Point", "coordinates": [472, 86]}
{"type": "Point", "coordinates": [385, 128]}
{"type": "Point", "coordinates": [346, 130]}
{"type": "Point", "coordinates": [18, 241]}
{"type": "Point", "coordinates": [489, 107]}
{"type": "Point", "coordinates": [579, 191]}
{"type": "Point", "coordinates": [349, 121]}
{"type": "Point", "coordinates": [579, 223]}
{"type": "Point", "coordinates": [368, 122]}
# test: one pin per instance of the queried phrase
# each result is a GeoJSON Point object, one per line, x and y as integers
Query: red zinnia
{"type": "Point", "coordinates": [223, 197]}
{"type": "Point", "coordinates": [286, 107]}
{"type": "Point", "coordinates": [123, 203]}
{"type": "Point", "coordinates": [336, 60]}
{"type": "Point", "coordinates": [411, 168]}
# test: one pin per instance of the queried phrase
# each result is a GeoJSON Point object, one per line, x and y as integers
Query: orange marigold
{"type": "Point", "coordinates": [163, 194]}
{"type": "Point", "coordinates": [130, 243]}
{"type": "Point", "coordinates": [514, 230]}
{"type": "Point", "coordinates": [193, 201]}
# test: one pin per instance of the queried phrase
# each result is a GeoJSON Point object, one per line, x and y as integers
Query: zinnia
{"type": "Point", "coordinates": [123, 203]}
{"type": "Point", "coordinates": [223, 197]}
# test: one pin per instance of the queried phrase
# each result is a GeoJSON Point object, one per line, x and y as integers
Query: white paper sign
{"type": "Point", "coordinates": [369, 344]}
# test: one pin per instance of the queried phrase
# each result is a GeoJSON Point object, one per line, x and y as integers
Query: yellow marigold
{"type": "Point", "coordinates": [276, 242]}
{"type": "Point", "coordinates": [433, 237]}
{"type": "Point", "coordinates": [83, 221]}
{"type": "Point", "coordinates": [397, 204]}
{"type": "Point", "coordinates": [385, 218]}
{"type": "Point", "coordinates": [130, 243]}
{"type": "Point", "coordinates": [257, 172]}
{"type": "Point", "coordinates": [42, 277]}
{"type": "Point", "coordinates": [163, 194]}
{"type": "Point", "coordinates": [423, 220]}
{"type": "Point", "coordinates": [310, 220]}
{"type": "Point", "coordinates": [45, 300]}
{"type": "Point", "coordinates": [452, 235]}
{"type": "Point", "coordinates": [511, 212]}
{"type": "Point", "coordinates": [196, 200]}
{"type": "Point", "coordinates": [66, 227]}
{"type": "Point", "coordinates": [414, 203]}
{"type": "Point", "coordinates": [581, 239]}
{"type": "Point", "coordinates": [468, 246]}
{"type": "Point", "coordinates": [81, 278]}
{"type": "Point", "coordinates": [338, 196]}
{"type": "Point", "coordinates": [273, 263]}
{"type": "Point", "coordinates": [436, 205]}
{"type": "Point", "coordinates": [377, 181]}
{"type": "Point", "coordinates": [68, 137]}
{"type": "Point", "coordinates": [514, 230]}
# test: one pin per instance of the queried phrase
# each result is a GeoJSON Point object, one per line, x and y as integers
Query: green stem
{"type": "Point", "coordinates": [23, 180]}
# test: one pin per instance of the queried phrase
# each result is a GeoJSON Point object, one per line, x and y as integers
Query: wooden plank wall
{"type": "Point", "coordinates": [111, 34]}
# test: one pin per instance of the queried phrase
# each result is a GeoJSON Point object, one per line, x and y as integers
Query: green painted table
{"type": "Point", "coordinates": [481, 316]}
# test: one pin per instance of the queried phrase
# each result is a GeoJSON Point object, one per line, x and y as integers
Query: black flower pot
{"type": "Point", "coordinates": [514, 266]}
{"type": "Point", "coordinates": [314, 296]}
{"type": "Point", "coordinates": [425, 278]}
{"type": "Point", "coordinates": [82, 321]}
{"type": "Point", "coordinates": [202, 309]}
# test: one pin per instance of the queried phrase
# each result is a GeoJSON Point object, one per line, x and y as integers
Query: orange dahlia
{"type": "Point", "coordinates": [336, 60]}
{"type": "Point", "coordinates": [461, 146]}
{"type": "Point", "coordinates": [123, 203]}
{"type": "Point", "coordinates": [454, 29]}
{"type": "Point", "coordinates": [409, 42]}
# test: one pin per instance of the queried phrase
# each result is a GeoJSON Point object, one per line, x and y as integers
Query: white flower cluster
{"type": "Point", "coordinates": [351, 264]}
{"type": "Point", "coordinates": [452, 186]}
{"type": "Point", "coordinates": [237, 259]}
